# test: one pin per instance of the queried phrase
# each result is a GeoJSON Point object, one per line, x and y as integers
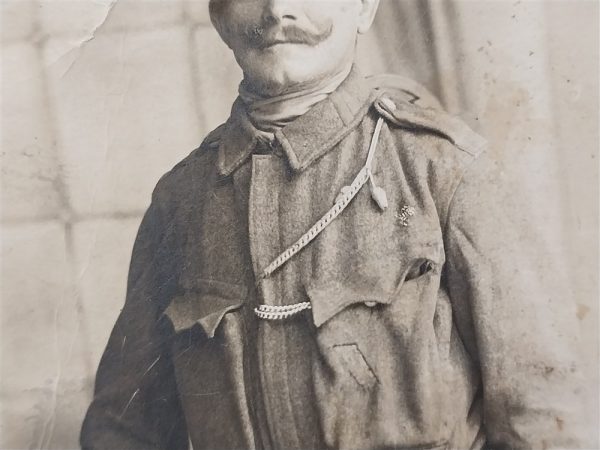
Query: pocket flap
{"type": "Point", "coordinates": [328, 300]}
{"type": "Point", "coordinates": [205, 305]}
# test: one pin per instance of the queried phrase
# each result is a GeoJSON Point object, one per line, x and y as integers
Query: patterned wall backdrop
{"type": "Point", "coordinates": [100, 98]}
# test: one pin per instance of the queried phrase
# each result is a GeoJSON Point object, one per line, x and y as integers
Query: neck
{"type": "Point", "coordinates": [268, 114]}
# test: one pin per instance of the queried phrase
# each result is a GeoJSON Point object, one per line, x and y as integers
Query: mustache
{"type": "Point", "coordinates": [262, 36]}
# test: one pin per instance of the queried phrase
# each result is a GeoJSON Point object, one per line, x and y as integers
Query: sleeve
{"type": "Point", "coordinates": [135, 404]}
{"type": "Point", "coordinates": [513, 309]}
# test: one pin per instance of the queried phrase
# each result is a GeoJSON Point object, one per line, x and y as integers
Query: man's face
{"type": "Point", "coordinates": [286, 44]}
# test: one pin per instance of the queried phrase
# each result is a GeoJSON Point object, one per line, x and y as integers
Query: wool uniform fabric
{"type": "Point", "coordinates": [427, 326]}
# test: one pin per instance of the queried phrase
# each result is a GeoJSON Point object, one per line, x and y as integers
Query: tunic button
{"type": "Point", "coordinates": [370, 304]}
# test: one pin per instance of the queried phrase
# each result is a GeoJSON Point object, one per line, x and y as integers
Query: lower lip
{"type": "Point", "coordinates": [279, 48]}
{"type": "Point", "coordinates": [277, 44]}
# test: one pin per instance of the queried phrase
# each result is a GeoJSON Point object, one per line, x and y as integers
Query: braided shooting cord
{"type": "Point", "coordinates": [347, 194]}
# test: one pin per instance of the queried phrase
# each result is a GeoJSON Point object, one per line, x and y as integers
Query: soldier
{"type": "Point", "coordinates": [331, 268]}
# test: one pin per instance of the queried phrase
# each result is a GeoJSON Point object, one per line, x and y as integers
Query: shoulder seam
{"type": "Point", "coordinates": [466, 167]}
{"type": "Point", "coordinates": [163, 181]}
{"type": "Point", "coordinates": [213, 138]}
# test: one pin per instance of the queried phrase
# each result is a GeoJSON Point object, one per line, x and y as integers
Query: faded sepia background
{"type": "Point", "coordinates": [101, 97]}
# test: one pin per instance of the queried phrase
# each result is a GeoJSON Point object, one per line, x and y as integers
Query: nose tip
{"type": "Point", "coordinates": [277, 11]}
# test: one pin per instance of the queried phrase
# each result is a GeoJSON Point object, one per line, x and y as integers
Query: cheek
{"type": "Point", "coordinates": [340, 15]}
{"type": "Point", "coordinates": [238, 15]}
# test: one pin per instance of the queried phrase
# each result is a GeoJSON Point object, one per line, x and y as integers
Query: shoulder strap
{"type": "Point", "coordinates": [411, 116]}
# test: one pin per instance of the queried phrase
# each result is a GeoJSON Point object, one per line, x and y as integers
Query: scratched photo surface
{"type": "Point", "coordinates": [100, 98]}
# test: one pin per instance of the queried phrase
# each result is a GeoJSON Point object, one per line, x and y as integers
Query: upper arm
{"type": "Point", "coordinates": [135, 402]}
{"type": "Point", "coordinates": [513, 309]}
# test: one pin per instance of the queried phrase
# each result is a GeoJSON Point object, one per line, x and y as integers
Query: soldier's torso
{"type": "Point", "coordinates": [377, 361]}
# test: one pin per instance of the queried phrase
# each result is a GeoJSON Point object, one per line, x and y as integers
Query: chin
{"type": "Point", "coordinates": [271, 79]}
{"type": "Point", "coordinates": [273, 74]}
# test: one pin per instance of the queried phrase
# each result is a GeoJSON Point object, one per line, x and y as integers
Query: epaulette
{"type": "Point", "coordinates": [409, 90]}
{"type": "Point", "coordinates": [406, 104]}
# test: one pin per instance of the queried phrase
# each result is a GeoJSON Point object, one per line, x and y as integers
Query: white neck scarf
{"type": "Point", "coordinates": [269, 114]}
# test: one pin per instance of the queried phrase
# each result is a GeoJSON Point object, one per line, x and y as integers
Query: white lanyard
{"type": "Point", "coordinates": [347, 193]}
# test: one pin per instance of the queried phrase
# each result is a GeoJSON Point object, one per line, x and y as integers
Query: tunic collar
{"type": "Point", "coordinates": [308, 137]}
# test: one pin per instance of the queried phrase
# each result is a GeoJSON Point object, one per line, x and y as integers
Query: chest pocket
{"type": "Point", "coordinates": [208, 359]}
{"type": "Point", "coordinates": [330, 299]}
{"type": "Point", "coordinates": [205, 305]}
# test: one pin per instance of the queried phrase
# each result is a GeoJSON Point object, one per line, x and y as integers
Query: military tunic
{"type": "Point", "coordinates": [418, 313]}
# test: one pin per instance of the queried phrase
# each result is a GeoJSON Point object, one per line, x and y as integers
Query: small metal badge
{"type": "Point", "coordinates": [404, 214]}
